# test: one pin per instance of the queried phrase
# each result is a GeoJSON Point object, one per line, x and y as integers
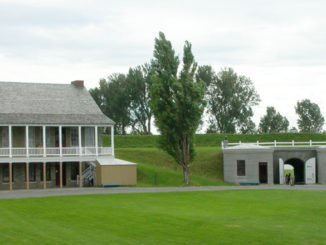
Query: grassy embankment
{"type": "Point", "coordinates": [226, 217]}
{"type": "Point", "coordinates": [156, 168]}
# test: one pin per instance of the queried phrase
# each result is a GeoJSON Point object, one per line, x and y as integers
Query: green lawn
{"type": "Point", "coordinates": [225, 217]}
{"type": "Point", "coordinates": [128, 141]}
{"type": "Point", "coordinates": [157, 168]}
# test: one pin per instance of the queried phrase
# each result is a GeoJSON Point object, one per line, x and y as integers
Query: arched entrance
{"type": "Point", "coordinates": [299, 170]}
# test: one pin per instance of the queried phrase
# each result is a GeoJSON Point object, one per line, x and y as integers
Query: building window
{"type": "Point", "coordinates": [4, 136]}
{"type": "Point", "coordinates": [89, 137]}
{"type": "Point", "coordinates": [5, 173]}
{"type": "Point", "coordinates": [74, 136]}
{"type": "Point", "coordinates": [74, 170]}
{"type": "Point", "coordinates": [47, 172]}
{"type": "Point", "coordinates": [31, 134]}
{"type": "Point", "coordinates": [241, 167]}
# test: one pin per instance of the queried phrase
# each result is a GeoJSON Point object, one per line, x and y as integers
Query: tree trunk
{"type": "Point", "coordinates": [186, 175]}
{"type": "Point", "coordinates": [149, 125]}
{"type": "Point", "coordinates": [123, 130]}
{"type": "Point", "coordinates": [186, 160]}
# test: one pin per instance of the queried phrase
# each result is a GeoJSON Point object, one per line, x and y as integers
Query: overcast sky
{"type": "Point", "coordinates": [279, 44]}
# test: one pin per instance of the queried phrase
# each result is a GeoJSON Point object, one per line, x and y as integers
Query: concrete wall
{"type": "Point", "coordinates": [116, 174]}
{"type": "Point", "coordinates": [321, 165]}
{"type": "Point", "coordinates": [252, 158]}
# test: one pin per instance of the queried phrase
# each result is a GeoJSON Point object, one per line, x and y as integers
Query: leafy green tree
{"type": "Point", "coordinates": [113, 97]}
{"type": "Point", "coordinates": [230, 101]}
{"type": "Point", "coordinates": [310, 117]}
{"type": "Point", "coordinates": [205, 73]}
{"type": "Point", "coordinates": [248, 127]}
{"type": "Point", "coordinates": [177, 101]}
{"type": "Point", "coordinates": [139, 79]}
{"type": "Point", "coordinates": [273, 122]}
{"type": "Point", "coordinates": [293, 130]}
{"type": "Point", "coordinates": [98, 94]}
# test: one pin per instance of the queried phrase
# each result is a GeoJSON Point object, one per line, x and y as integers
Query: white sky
{"type": "Point", "coordinates": [279, 44]}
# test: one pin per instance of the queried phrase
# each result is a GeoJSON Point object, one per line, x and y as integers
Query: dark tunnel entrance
{"type": "Point", "coordinates": [299, 173]}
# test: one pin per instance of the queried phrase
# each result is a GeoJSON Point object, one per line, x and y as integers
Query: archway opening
{"type": "Point", "coordinates": [299, 174]}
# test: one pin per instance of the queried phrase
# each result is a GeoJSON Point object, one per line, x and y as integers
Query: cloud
{"type": "Point", "coordinates": [279, 44]}
{"type": "Point", "coordinates": [255, 32]}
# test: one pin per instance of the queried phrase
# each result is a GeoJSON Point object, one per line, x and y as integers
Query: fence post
{"type": "Point", "coordinates": [310, 142]}
{"type": "Point", "coordinates": [292, 143]}
{"type": "Point", "coordinates": [275, 143]}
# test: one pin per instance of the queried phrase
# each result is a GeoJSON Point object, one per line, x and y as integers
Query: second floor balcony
{"type": "Point", "coordinates": [54, 141]}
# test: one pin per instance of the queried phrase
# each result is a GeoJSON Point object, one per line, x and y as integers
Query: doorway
{"type": "Point", "coordinates": [57, 174]}
{"type": "Point", "coordinates": [299, 170]}
{"type": "Point", "coordinates": [263, 174]}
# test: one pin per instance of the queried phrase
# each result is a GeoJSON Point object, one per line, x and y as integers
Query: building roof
{"type": "Point", "coordinates": [113, 161]}
{"type": "Point", "coordinates": [44, 103]}
{"type": "Point", "coordinates": [248, 146]}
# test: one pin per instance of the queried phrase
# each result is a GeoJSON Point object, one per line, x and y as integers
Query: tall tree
{"type": "Point", "coordinates": [230, 101]}
{"type": "Point", "coordinates": [205, 73]}
{"type": "Point", "coordinates": [273, 122]}
{"type": "Point", "coordinates": [248, 127]}
{"type": "Point", "coordinates": [310, 117]}
{"type": "Point", "coordinates": [177, 101]}
{"type": "Point", "coordinates": [99, 95]}
{"type": "Point", "coordinates": [113, 98]}
{"type": "Point", "coordinates": [139, 79]}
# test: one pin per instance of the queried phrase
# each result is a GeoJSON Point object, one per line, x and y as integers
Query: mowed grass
{"type": "Point", "coordinates": [223, 217]}
{"type": "Point", "coordinates": [157, 168]}
{"type": "Point", "coordinates": [128, 141]}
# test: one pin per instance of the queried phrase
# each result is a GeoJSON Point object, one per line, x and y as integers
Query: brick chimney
{"type": "Point", "coordinates": [78, 83]}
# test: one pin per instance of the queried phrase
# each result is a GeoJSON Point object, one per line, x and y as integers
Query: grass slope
{"type": "Point", "coordinates": [128, 141]}
{"type": "Point", "coordinates": [228, 217]}
{"type": "Point", "coordinates": [157, 168]}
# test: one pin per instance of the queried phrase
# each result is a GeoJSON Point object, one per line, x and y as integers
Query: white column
{"type": "Point", "coordinates": [44, 140]}
{"type": "Point", "coordinates": [26, 140]}
{"type": "Point", "coordinates": [60, 140]}
{"type": "Point", "coordinates": [80, 140]}
{"type": "Point", "coordinates": [112, 139]}
{"type": "Point", "coordinates": [96, 140]}
{"type": "Point", "coordinates": [10, 140]}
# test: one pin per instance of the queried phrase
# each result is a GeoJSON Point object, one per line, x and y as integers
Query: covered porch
{"type": "Point", "coordinates": [44, 175]}
{"type": "Point", "coordinates": [54, 140]}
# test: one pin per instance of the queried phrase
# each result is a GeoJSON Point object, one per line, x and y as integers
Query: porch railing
{"type": "Point", "coordinates": [54, 151]}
